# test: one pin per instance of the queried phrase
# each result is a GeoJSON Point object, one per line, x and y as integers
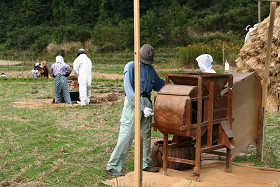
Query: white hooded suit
{"type": "Point", "coordinates": [82, 67]}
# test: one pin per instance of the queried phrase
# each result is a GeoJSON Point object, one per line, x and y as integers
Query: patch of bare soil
{"type": "Point", "coordinates": [41, 103]}
{"type": "Point", "coordinates": [103, 98]}
{"type": "Point", "coordinates": [108, 98]}
{"type": "Point", "coordinates": [96, 75]}
{"type": "Point", "coordinates": [107, 76]}
{"type": "Point", "coordinates": [212, 173]}
{"type": "Point", "coordinates": [9, 62]}
{"type": "Point", "coordinates": [10, 74]}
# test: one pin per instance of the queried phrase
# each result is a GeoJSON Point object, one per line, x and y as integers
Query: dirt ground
{"type": "Point", "coordinates": [97, 75]}
{"type": "Point", "coordinates": [8, 62]}
{"type": "Point", "coordinates": [108, 98]}
{"type": "Point", "coordinates": [212, 173]}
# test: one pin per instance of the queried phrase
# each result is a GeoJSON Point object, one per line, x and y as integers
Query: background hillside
{"type": "Point", "coordinates": [32, 25]}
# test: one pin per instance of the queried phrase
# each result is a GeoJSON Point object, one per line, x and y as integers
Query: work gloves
{"type": "Point", "coordinates": [148, 112]}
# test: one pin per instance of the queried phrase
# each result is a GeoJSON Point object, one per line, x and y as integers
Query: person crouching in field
{"type": "Point", "coordinates": [149, 81]}
{"type": "Point", "coordinates": [59, 71]}
{"type": "Point", "coordinates": [44, 70]}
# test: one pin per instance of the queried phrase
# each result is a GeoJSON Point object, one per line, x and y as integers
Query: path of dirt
{"type": "Point", "coordinates": [108, 98]}
{"type": "Point", "coordinates": [40, 103]}
{"type": "Point", "coordinates": [212, 174]}
{"type": "Point", "coordinates": [98, 75]}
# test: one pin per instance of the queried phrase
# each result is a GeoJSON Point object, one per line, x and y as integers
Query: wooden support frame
{"type": "Point", "coordinates": [260, 131]}
{"type": "Point", "coordinates": [223, 135]}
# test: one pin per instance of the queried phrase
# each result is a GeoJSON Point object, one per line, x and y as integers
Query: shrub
{"type": "Point", "coordinates": [188, 54]}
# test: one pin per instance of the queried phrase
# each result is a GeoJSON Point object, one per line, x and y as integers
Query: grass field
{"type": "Point", "coordinates": [70, 146]}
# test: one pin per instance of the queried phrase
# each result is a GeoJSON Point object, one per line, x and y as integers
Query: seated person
{"type": "Point", "coordinates": [36, 71]}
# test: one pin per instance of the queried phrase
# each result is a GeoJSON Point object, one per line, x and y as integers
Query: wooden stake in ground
{"type": "Point", "coordinates": [260, 138]}
{"type": "Point", "coordinates": [137, 152]}
{"type": "Point", "coordinates": [259, 12]}
{"type": "Point", "coordinates": [22, 66]}
{"type": "Point", "coordinates": [223, 57]}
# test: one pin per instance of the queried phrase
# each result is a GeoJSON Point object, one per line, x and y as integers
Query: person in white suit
{"type": "Point", "coordinates": [249, 28]}
{"type": "Point", "coordinates": [83, 67]}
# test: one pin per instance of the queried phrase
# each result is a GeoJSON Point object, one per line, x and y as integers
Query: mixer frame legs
{"type": "Point", "coordinates": [165, 144]}
{"type": "Point", "coordinates": [228, 161]}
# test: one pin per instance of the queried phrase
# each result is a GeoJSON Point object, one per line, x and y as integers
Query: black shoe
{"type": "Point", "coordinates": [114, 173]}
{"type": "Point", "coordinates": [149, 169]}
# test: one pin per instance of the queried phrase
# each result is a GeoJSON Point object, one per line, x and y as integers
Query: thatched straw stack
{"type": "Point", "coordinates": [252, 58]}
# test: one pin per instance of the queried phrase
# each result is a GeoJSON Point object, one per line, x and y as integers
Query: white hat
{"type": "Point", "coordinates": [204, 62]}
{"type": "Point", "coordinates": [59, 59]}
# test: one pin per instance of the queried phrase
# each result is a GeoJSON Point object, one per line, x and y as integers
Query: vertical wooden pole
{"type": "Point", "coordinates": [198, 131]}
{"type": "Point", "coordinates": [137, 152]}
{"type": "Point", "coordinates": [165, 149]}
{"type": "Point", "coordinates": [260, 135]}
{"type": "Point", "coordinates": [259, 12]}
{"type": "Point", "coordinates": [141, 155]}
{"type": "Point", "coordinates": [223, 57]}
{"type": "Point", "coordinates": [83, 39]}
{"type": "Point", "coordinates": [22, 66]}
{"type": "Point", "coordinates": [210, 114]}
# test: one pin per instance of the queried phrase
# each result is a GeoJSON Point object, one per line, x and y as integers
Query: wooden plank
{"type": "Point", "coordinates": [214, 147]}
{"type": "Point", "coordinates": [137, 152]}
{"type": "Point", "coordinates": [180, 160]}
{"type": "Point", "coordinates": [228, 161]}
{"type": "Point", "coordinates": [217, 153]}
{"type": "Point", "coordinates": [266, 76]}
{"type": "Point", "coordinates": [210, 114]}
{"type": "Point", "coordinates": [259, 12]}
{"type": "Point", "coordinates": [246, 101]}
{"type": "Point", "coordinates": [165, 149]}
{"type": "Point", "coordinates": [227, 129]}
{"type": "Point", "coordinates": [198, 131]}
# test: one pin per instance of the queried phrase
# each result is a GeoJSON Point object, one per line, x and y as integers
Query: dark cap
{"type": "Point", "coordinates": [81, 51]}
{"type": "Point", "coordinates": [147, 54]}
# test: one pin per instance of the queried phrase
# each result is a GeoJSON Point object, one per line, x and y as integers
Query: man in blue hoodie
{"type": "Point", "coordinates": [149, 81]}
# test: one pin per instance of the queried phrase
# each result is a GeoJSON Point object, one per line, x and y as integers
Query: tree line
{"type": "Point", "coordinates": [108, 24]}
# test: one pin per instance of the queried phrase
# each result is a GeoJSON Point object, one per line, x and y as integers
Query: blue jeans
{"type": "Point", "coordinates": [60, 89]}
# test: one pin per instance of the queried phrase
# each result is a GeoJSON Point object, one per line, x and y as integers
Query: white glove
{"type": "Point", "coordinates": [148, 112]}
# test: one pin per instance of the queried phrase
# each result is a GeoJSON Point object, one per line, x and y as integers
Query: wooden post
{"type": "Point", "coordinates": [259, 12]}
{"type": "Point", "coordinates": [22, 66]}
{"type": "Point", "coordinates": [198, 131]}
{"type": "Point", "coordinates": [260, 133]}
{"type": "Point", "coordinates": [83, 39]}
{"type": "Point", "coordinates": [223, 57]}
{"type": "Point", "coordinates": [137, 151]}
{"type": "Point", "coordinates": [165, 149]}
{"type": "Point", "coordinates": [210, 114]}
{"type": "Point", "coordinates": [141, 155]}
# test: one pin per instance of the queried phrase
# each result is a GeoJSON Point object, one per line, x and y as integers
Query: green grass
{"type": "Point", "coordinates": [271, 155]}
{"type": "Point", "coordinates": [69, 146]}
{"type": "Point", "coordinates": [54, 146]}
